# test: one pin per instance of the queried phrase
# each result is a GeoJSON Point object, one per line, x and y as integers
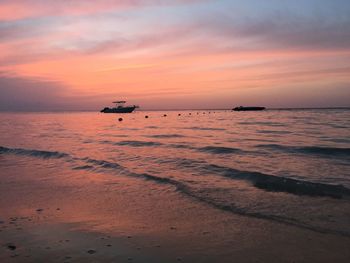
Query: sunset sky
{"type": "Point", "coordinates": [174, 54]}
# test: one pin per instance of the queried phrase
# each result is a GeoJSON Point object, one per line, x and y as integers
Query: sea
{"type": "Point", "coordinates": [291, 166]}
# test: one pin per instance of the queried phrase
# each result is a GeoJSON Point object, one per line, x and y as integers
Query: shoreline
{"type": "Point", "coordinates": [140, 220]}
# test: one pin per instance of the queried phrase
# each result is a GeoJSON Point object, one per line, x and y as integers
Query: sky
{"type": "Point", "coordinates": [173, 54]}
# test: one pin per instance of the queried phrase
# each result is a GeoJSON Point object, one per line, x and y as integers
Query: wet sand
{"type": "Point", "coordinates": [76, 216]}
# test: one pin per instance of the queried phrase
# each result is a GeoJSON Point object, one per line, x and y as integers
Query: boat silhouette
{"type": "Point", "coordinates": [120, 108]}
{"type": "Point", "coordinates": [241, 108]}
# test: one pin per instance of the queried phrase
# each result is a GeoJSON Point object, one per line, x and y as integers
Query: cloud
{"type": "Point", "coordinates": [93, 46]}
{"type": "Point", "coordinates": [29, 94]}
{"type": "Point", "coordinates": [17, 9]}
{"type": "Point", "coordinates": [279, 30]}
{"type": "Point", "coordinates": [203, 33]}
{"type": "Point", "coordinates": [22, 93]}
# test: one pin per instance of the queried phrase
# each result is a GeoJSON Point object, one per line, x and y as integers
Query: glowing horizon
{"type": "Point", "coordinates": [71, 55]}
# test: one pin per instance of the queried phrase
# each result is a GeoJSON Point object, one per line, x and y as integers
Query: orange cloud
{"type": "Point", "coordinates": [149, 57]}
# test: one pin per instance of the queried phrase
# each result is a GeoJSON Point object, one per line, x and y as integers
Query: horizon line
{"type": "Point", "coordinates": [185, 109]}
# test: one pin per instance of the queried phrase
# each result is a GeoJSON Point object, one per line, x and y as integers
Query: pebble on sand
{"type": "Point", "coordinates": [91, 251]}
{"type": "Point", "coordinates": [40, 210]}
{"type": "Point", "coordinates": [146, 116]}
{"type": "Point", "coordinates": [11, 247]}
{"type": "Point", "coordinates": [120, 119]}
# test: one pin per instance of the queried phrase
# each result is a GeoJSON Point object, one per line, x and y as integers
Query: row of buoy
{"type": "Point", "coordinates": [164, 115]}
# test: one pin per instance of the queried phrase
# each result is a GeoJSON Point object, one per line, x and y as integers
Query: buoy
{"type": "Point", "coordinates": [190, 113]}
{"type": "Point", "coordinates": [179, 114]}
{"type": "Point", "coordinates": [120, 119]}
{"type": "Point", "coordinates": [164, 115]}
{"type": "Point", "coordinates": [146, 116]}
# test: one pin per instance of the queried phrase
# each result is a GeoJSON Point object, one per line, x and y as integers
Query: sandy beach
{"type": "Point", "coordinates": [167, 131]}
{"type": "Point", "coordinates": [96, 217]}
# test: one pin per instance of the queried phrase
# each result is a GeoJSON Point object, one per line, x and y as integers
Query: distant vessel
{"type": "Point", "coordinates": [120, 108]}
{"type": "Point", "coordinates": [241, 108]}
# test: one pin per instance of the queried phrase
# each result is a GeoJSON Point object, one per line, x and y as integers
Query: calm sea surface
{"type": "Point", "coordinates": [290, 166]}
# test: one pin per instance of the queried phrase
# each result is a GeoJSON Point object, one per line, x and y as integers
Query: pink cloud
{"type": "Point", "coordinates": [17, 9]}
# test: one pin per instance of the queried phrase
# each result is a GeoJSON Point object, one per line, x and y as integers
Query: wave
{"type": "Point", "coordinates": [160, 136]}
{"type": "Point", "coordinates": [83, 167]}
{"type": "Point", "coordinates": [129, 129]}
{"type": "Point", "coordinates": [337, 126]}
{"type": "Point", "coordinates": [204, 129]}
{"type": "Point", "coordinates": [259, 180]}
{"type": "Point", "coordinates": [281, 184]}
{"type": "Point", "coordinates": [319, 150]}
{"type": "Point", "coordinates": [267, 182]}
{"type": "Point", "coordinates": [273, 124]}
{"type": "Point", "coordinates": [219, 150]}
{"type": "Point", "coordinates": [33, 153]}
{"type": "Point", "coordinates": [273, 132]}
{"type": "Point", "coordinates": [180, 146]}
{"type": "Point", "coordinates": [117, 167]}
{"type": "Point", "coordinates": [337, 140]}
{"type": "Point", "coordinates": [207, 149]}
{"type": "Point", "coordinates": [103, 164]}
{"type": "Point", "coordinates": [134, 143]}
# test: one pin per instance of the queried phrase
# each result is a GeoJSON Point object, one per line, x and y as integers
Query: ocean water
{"type": "Point", "coordinates": [287, 166]}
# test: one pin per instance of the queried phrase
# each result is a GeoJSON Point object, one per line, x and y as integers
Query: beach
{"type": "Point", "coordinates": [163, 131]}
{"type": "Point", "coordinates": [72, 193]}
{"type": "Point", "coordinates": [122, 226]}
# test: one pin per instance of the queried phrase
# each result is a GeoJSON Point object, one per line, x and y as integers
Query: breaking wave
{"type": "Point", "coordinates": [281, 184]}
{"type": "Point", "coordinates": [259, 180]}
